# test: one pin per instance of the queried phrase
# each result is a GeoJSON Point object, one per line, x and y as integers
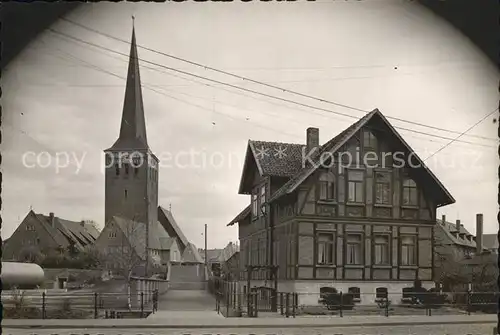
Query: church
{"type": "Point", "coordinates": [139, 237]}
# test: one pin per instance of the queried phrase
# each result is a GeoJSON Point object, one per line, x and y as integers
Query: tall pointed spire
{"type": "Point", "coordinates": [133, 126]}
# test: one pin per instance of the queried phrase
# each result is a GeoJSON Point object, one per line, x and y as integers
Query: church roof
{"type": "Point", "coordinates": [133, 125]}
{"type": "Point", "coordinates": [167, 220]}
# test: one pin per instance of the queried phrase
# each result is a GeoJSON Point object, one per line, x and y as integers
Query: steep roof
{"type": "Point", "coordinates": [336, 143]}
{"type": "Point", "coordinates": [240, 217]}
{"type": "Point", "coordinates": [168, 222]}
{"type": "Point", "coordinates": [133, 125]}
{"type": "Point", "coordinates": [64, 231]}
{"type": "Point", "coordinates": [452, 238]}
{"type": "Point", "coordinates": [191, 254]}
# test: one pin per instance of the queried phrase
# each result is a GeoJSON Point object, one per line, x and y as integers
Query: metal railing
{"type": "Point", "coordinates": [291, 304]}
{"type": "Point", "coordinates": [60, 305]}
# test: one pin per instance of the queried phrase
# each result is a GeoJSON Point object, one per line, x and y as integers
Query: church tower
{"type": "Point", "coordinates": [131, 172]}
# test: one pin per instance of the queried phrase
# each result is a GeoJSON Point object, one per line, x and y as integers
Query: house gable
{"type": "Point", "coordinates": [377, 121]}
{"type": "Point", "coordinates": [32, 234]}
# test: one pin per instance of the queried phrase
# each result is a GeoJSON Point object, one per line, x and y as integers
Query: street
{"type": "Point", "coordinates": [462, 329]}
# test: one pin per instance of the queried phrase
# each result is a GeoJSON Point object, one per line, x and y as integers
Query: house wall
{"type": "Point", "coordinates": [297, 219]}
{"type": "Point", "coordinates": [24, 241]}
{"type": "Point", "coordinates": [115, 248]}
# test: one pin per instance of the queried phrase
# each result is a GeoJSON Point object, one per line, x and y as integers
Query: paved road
{"type": "Point", "coordinates": [186, 300]}
{"type": "Point", "coordinates": [473, 329]}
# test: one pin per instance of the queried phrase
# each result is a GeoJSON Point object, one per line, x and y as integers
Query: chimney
{"type": "Point", "coordinates": [312, 139]}
{"type": "Point", "coordinates": [458, 226]}
{"type": "Point", "coordinates": [51, 219]}
{"type": "Point", "coordinates": [443, 219]}
{"type": "Point", "coordinates": [479, 233]}
{"type": "Point", "coordinates": [82, 223]}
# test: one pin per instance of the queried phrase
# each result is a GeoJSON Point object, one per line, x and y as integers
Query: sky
{"type": "Point", "coordinates": [63, 101]}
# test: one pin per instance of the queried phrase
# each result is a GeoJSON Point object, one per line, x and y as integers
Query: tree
{"type": "Point", "coordinates": [125, 254]}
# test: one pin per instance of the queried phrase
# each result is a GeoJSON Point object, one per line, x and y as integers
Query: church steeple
{"type": "Point", "coordinates": [133, 125]}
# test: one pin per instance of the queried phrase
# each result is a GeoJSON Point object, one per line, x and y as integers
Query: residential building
{"type": "Point", "coordinates": [453, 240]}
{"type": "Point", "coordinates": [356, 213]}
{"type": "Point", "coordinates": [40, 234]}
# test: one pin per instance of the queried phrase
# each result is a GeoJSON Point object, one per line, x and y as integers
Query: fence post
{"type": "Point", "coordinates": [142, 305]}
{"type": "Point", "coordinates": [341, 307]}
{"type": "Point", "coordinates": [95, 305]}
{"type": "Point", "coordinates": [281, 303]}
{"type": "Point", "coordinates": [43, 305]}
{"type": "Point", "coordinates": [256, 309]}
{"type": "Point", "coordinates": [287, 304]}
{"type": "Point", "coordinates": [386, 304]}
{"type": "Point", "coordinates": [228, 297]}
{"type": "Point", "coordinates": [468, 298]}
{"type": "Point", "coordinates": [295, 303]}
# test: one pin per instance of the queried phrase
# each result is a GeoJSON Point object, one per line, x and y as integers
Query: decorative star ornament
{"type": "Point", "coordinates": [262, 152]}
{"type": "Point", "coordinates": [280, 152]}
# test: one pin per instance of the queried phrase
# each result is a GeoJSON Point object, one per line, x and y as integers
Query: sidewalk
{"type": "Point", "coordinates": [298, 322]}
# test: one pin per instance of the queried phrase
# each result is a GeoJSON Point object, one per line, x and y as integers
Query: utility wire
{"type": "Point", "coordinates": [248, 90]}
{"type": "Point", "coordinates": [269, 85]}
{"type": "Point", "coordinates": [121, 59]}
{"type": "Point", "coordinates": [462, 134]}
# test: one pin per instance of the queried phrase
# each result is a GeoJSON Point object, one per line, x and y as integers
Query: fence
{"type": "Point", "coordinates": [35, 304]}
{"type": "Point", "coordinates": [231, 302]}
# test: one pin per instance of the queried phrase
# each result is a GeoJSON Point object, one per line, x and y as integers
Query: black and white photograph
{"type": "Point", "coordinates": [250, 167]}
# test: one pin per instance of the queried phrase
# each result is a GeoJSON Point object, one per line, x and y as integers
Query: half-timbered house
{"type": "Point", "coordinates": [356, 213]}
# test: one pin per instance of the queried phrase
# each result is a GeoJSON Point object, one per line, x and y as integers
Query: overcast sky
{"type": "Point", "coordinates": [390, 55]}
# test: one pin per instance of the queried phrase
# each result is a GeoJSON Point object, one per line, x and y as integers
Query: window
{"type": "Point", "coordinates": [327, 186]}
{"type": "Point", "coordinates": [354, 249]}
{"type": "Point", "coordinates": [125, 193]}
{"type": "Point", "coordinates": [381, 293]}
{"type": "Point", "coordinates": [325, 248]}
{"type": "Point", "coordinates": [355, 186]}
{"type": "Point", "coordinates": [381, 250]}
{"type": "Point", "coordinates": [356, 293]}
{"type": "Point", "coordinates": [30, 227]}
{"type": "Point", "coordinates": [263, 199]}
{"type": "Point", "coordinates": [369, 140]}
{"type": "Point", "coordinates": [408, 250]}
{"type": "Point", "coordinates": [126, 169]}
{"type": "Point", "coordinates": [112, 234]}
{"type": "Point", "coordinates": [410, 194]}
{"type": "Point", "coordinates": [353, 151]}
{"type": "Point", "coordinates": [255, 209]}
{"type": "Point", "coordinates": [117, 169]}
{"type": "Point", "coordinates": [383, 188]}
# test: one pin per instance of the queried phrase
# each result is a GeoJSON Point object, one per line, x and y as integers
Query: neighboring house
{"type": "Point", "coordinates": [217, 257]}
{"type": "Point", "coordinates": [453, 240]}
{"type": "Point", "coordinates": [191, 255]}
{"type": "Point", "coordinates": [363, 225]}
{"type": "Point", "coordinates": [45, 234]}
{"type": "Point", "coordinates": [490, 242]}
{"type": "Point", "coordinates": [231, 267]}
{"type": "Point", "coordinates": [170, 251]}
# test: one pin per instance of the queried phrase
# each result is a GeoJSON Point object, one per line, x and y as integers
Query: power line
{"type": "Point", "coordinates": [87, 64]}
{"type": "Point", "coordinates": [206, 67]}
{"type": "Point", "coordinates": [463, 133]}
{"type": "Point", "coordinates": [251, 91]}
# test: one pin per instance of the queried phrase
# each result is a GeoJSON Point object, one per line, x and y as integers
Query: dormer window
{"type": "Point", "coordinates": [369, 140]}
{"type": "Point", "coordinates": [327, 186]}
{"type": "Point", "coordinates": [410, 192]}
